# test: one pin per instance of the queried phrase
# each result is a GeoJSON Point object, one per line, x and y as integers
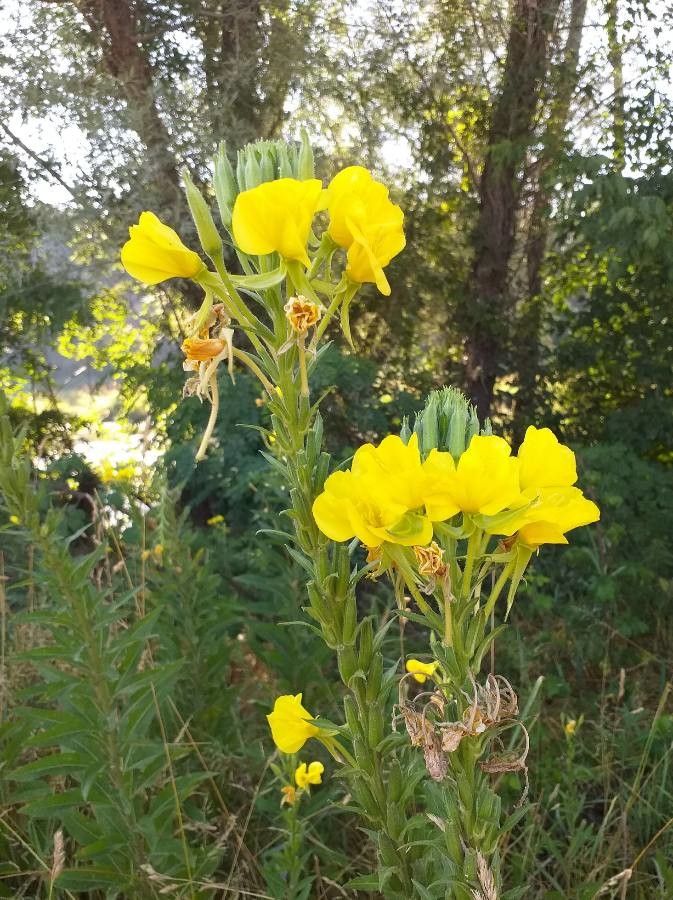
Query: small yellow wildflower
{"type": "Point", "coordinates": [290, 724]}
{"type": "Point", "coordinates": [307, 775]}
{"type": "Point", "coordinates": [289, 793]}
{"type": "Point", "coordinates": [15, 520]}
{"type": "Point", "coordinates": [570, 727]}
{"type": "Point", "coordinates": [420, 670]}
{"type": "Point", "coordinates": [215, 520]}
{"type": "Point", "coordinates": [154, 252]}
{"type": "Point", "coordinates": [276, 216]}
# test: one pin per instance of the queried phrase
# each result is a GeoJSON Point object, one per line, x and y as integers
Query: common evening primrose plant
{"type": "Point", "coordinates": [445, 510]}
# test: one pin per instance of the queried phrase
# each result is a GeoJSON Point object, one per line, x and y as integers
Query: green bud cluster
{"type": "Point", "coordinates": [446, 422]}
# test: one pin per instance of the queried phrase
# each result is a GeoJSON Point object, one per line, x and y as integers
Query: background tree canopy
{"type": "Point", "coordinates": [530, 144]}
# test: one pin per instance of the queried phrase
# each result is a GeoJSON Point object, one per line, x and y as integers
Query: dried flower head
{"type": "Point", "coordinates": [202, 349]}
{"type": "Point", "coordinates": [289, 793]}
{"type": "Point", "coordinates": [430, 561]}
{"type": "Point", "coordinates": [418, 727]}
{"type": "Point", "coordinates": [302, 314]}
{"type": "Point", "coordinates": [435, 760]}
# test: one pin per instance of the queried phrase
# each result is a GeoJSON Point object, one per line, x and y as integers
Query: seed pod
{"type": "Point", "coordinates": [394, 820]}
{"type": "Point", "coordinates": [375, 730]}
{"type": "Point", "coordinates": [470, 865]}
{"type": "Point", "coordinates": [374, 677]}
{"type": "Point", "coordinates": [365, 645]}
{"type": "Point", "coordinates": [362, 756]}
{"type": "Point", "coordinates": [350, 618]}
{"type": "Point", "coordinates": [352, 719]}
{"type": "Point", "coordinates": [395, 782]}
{"type": "Point", "coordinates": [347, 662]}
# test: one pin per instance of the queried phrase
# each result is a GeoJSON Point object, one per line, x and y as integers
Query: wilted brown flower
{"type": "Point", "coordinates": [302, 314]}
{"type": "Point", "coordinates": [203, 349]}
{"type": "Point", "coordinates": [431, 561]}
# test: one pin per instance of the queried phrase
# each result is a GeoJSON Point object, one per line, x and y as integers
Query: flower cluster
{"type": "Point", "coordinates": [277, 217]}
{"type": "Point", "coordinates": [390, 495]}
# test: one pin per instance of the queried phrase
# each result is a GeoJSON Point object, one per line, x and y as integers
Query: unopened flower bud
{"type": "Point", "coordinates": [305, 166]}
{"type": "Point", "coordinates": [203, 219]}
{"type": "Point", "coordinates": [224, 182]}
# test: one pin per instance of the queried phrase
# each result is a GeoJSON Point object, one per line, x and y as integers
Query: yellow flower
{"type": "Point", "coordinates": [366, 223]}
{"type": "Point", "coordinates": [290, 724]}
{"type": "Point", "coordinates": [276, 216]}
{"type": "Point", "coordinates": [486, 479]}
{"type": "Point", "coordinates": [551, 506]}
{"type": "Point", "coordinates": [215, 520]}
{"type": "Point", "coordinates": [439, 474]}
{"type": "Point", "coordinates": [15, 520]}
{"type": "Point", "coordinates": [570, 727]}
{"type": "Point", "coordinates": [420, 670]}
{"type": "Point", "coordinates": [154, 252]}
{"type": "Point", "coordinates": [376, 500]}
{"type": "Point", "coordinates": [289, 793]}
{"type": "Point", "coordinates": [306, 775]}
{"type": "Point", "coordinates": [397, 465]}
{"type": "Point", "coordinates": [554, 511]}
{"type": "Point", "coordinates": [544, 462]}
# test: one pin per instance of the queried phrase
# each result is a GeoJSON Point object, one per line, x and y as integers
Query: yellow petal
{"type": "Point", "coordinates": [438, 471]}
{"type": "Point", "coordinates": [394, 468]}
{"type": "Point", "coordinates": [331, 508]}
{"type": "Point", "coordinates": [276, 216]}
{"type": "Point", "coordinates": [557, 511]}
{"type": "Point", "coordinates": [486, 479]}
{"type": "Point", "coordinates": [420, 670]}
{"type": "Point", "coordinates": [315, 772]}
{"type": "Point", "coordinates": [290, 724]}
{"type": "Point", "coordinates": [544, 462]}
{"type": "Point", "coordinates": [154, 252]}
{"type": "Point", "coordinates": [366, 223]}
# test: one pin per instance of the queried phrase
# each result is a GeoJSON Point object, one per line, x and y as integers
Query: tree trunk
{"type": "Point", "coordinates": [114, 26]}
{"type": "Point", "coordinates": [510, 135]}
{"type": "Point", "coordinates": [616, 60]}
{"type": "Point", "coordinates": [530, 320]}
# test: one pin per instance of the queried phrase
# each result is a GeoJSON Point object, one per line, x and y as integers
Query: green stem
{"type": "Point", "coordinates": [248, 361]}
{"type": "Point", "coordinates": [498, 588]}
{"type": "Point", "coordinates": [472, 545]}
{"type": "Point", "coordinates": [448, 619]}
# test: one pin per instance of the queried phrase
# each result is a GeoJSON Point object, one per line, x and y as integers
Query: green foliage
{"type": "Point", "coordinates": [85, 735]}
{"type": "Point", "coordinates": [613, 365]}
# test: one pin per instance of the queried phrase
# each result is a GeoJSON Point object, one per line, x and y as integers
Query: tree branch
{"type": "Point", "coordinates": [43, 163]}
